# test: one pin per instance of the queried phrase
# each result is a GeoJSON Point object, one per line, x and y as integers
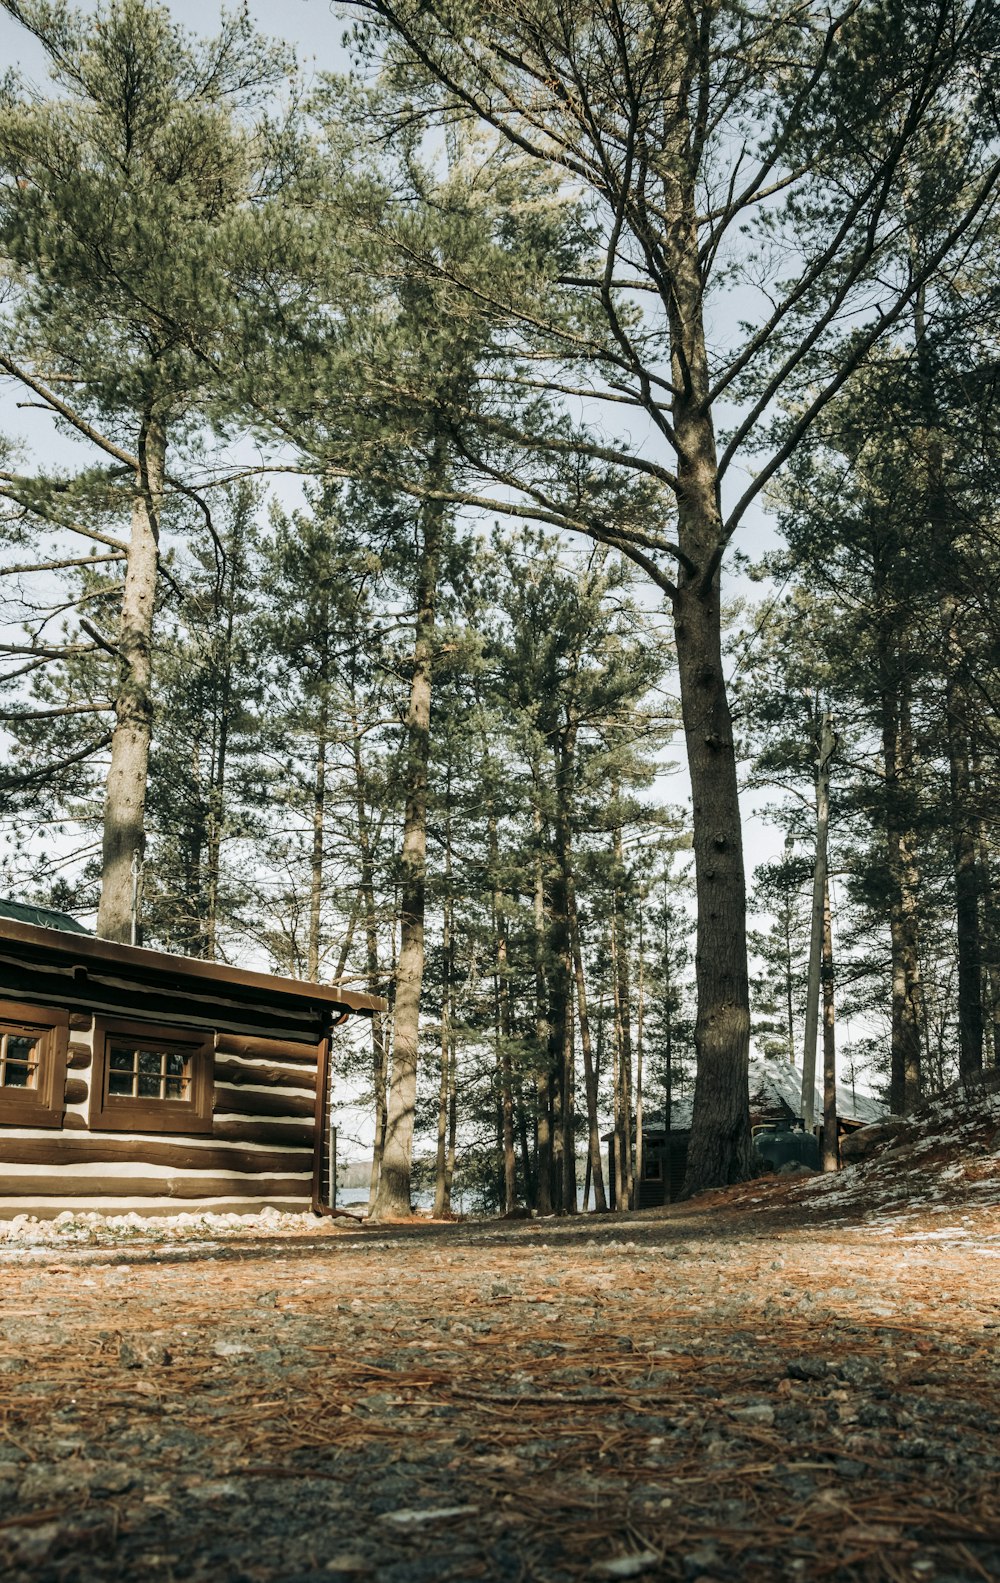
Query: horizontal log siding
{"type": "Point", "coordinates": [284, 1050]}
{"type": "Point", "coordinates": [228, 1069]}
{"type": "Point", "coordinates": [260, 1151]}
{"type": "Point", "coordinates": [261, 1102]}
{"type": "Point", "coordinates": [46, 1208]}
{"type": "Point", "coordinates": [274, 1133]}
{"type": "Point", "coordinates": [172, 1153]}
{"type": "Point", "coordinates": [173, 1186]}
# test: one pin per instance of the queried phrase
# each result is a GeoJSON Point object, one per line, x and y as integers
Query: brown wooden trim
{"type": "Point", "coordinates": [247, 1102]}
{"type": "Point", "coordinates": [75, 1091]}
{"type": "Point", "coordinates": [185, 1006]}
{"type": "Point", "coordinates": [269, 1132]}
{"type": "Point", "coordinates": [79, 1057]}
{"type": "Point", "coordinates": [229, 1070]}
{"type": "Point", "coordinates": [43, 1105]}
{"type": "Point", "coordinates": [117, 1113]}
{"type": "Point", "coordinates": [320, 1113]}
{"type": "Point", "coordinates": [88, 948]}
{"type": "Point", "coordinates": [61, 1151]}
{"type": "Point", "coordinates": [73, 1120]}
{"type": "Point", "coordinates": [252, 1045]}
{"type": "Point", "coordinates": [152, 1187]}
{"type": "Point", "coordinates": [80, 1019]}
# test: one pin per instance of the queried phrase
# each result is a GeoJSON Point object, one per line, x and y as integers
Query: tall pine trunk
{"type": "Point", "coordinates": [442, 1179]}
{"type": "Point", "coordinates": [942, 535]}
{"type": "Point", "coordinates": [392, 1200]}
{"type": "Point", "coordinates": [991, 919]}
{"type": "Point", "coordinates": [831, 1149]}
{"type": "Point", "coordinates": [623, 1014]}
{"type": "Point", "coordinates": [904, 916]}
{"type": "Point", "coordinates": [373, 975]}
{"type": "Point", "coordinates": [590, 1074]}
{"type": "Point", "coordinates": [125, 794]}
{"type": "Point", "coordinates": [543, 1152]}
{"type": "Point", "coordinates": [562, 956]}
{"type": "Point", "coordinates": [965, 853]}
{"type": "Point", "coordinates": [719, 1148]}
{"type": "Point", "coordinates": [317, 858]}
{"type": "Point", "coordinates": [640, 1012]}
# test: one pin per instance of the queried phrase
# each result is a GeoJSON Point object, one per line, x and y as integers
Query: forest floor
{"type": "Point", "coordinates": [778, 1381]}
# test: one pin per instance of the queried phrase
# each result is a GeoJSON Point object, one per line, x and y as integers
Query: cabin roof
{"type": "Point", "coordinates": [44, 917]}
{"type": "Point", "coordinates": [776, 1083]}
{"type": "Point", "coordinates": [28, 946]}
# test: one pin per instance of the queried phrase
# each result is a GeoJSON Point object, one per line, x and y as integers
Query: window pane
{"type": "Point", "coordinates": [16, 1074]}
{"type": "Point", "coordinates": [147, 1073]}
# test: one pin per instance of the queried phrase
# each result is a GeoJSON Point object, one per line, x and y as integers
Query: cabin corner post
{"type": "Point", "coordinates": [322, 1113]}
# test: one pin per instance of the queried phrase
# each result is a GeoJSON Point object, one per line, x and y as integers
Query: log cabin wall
{"type": "Point", "coordinates": [255, 1143]}
{"type": "Point", "coordinates": [259, 1151]}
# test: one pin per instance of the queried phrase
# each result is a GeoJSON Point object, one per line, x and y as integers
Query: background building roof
{"type": "Point", "coordinates": [44, 917]}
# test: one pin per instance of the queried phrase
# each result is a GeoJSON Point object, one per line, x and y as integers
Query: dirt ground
{"type": "Point", "coordinates": [713, 1392]}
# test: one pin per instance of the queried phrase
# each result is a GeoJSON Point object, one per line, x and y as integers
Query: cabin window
{"type": "Point", "coordinates": [652, 1166]}
{"type": "Point", "coordinates": [149, 1079]}
{"type": "Point", "coordinates": [32, 1065]}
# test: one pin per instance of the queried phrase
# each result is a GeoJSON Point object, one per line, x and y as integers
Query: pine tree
{"type": "Point", "coordinates": [126, 224]}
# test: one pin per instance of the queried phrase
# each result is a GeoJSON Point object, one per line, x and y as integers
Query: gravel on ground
{"type": "Point", "coordinates": [738, 1388]}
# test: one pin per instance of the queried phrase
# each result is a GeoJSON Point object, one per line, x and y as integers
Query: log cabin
{"type": "Point", "coordinates": [775, 1101]}
{"type": "Point", "coordinates": [137, 1080]}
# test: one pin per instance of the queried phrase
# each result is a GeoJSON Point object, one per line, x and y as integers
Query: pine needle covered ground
{"type": "Point", "coordinates": [735, 1389]}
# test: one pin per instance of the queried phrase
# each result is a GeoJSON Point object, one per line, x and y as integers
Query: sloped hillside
{"type": "Point", "coordinates": [940, 1164]}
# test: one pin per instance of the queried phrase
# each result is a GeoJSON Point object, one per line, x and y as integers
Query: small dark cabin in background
{"type": "Point", "coordinates": [775, 1100]}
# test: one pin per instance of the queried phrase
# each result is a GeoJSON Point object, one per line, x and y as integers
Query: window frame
{"type": "Point", "coordinates": [652, 1165]}
{"type": "Point", "coordinates": [43, 1105]}
{"type": "Point", "coordinates": [131, 1113]}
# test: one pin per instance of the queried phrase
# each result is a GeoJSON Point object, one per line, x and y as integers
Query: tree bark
{"type": "Point", "coordinates": [622, 1118]}
{"type": "Point", "coordinates": [831, 1149]}
{"type": "Point", "coordinates": [825, 748]}
{"type": "Point", "coordinates": [543, 1173]}
{"type": "Point", "coordinates": [589, 1070]}
{"type": "Point", "coordinates": [719, 1147]}
{"type": "Point", "coordinates": [317, 858]}
{"type": "Point", "coordinates": [373, 975]}
{"type": "Point", "coordinates": [502, 1018]}
{"type": "Point", "coordinates": [639, 1017]}
{"type": "Point", "coordinates": [442, 1182]}
{"type": "Point", "coordinates": [392, 1200]}
{"type": "Point", "coordinates": [623, 1011]}
{"type": "Point", "coordinates": [125, 794]}
{"type": "Point", "coordinates": [562, 953]}
{"type": "Point", "coordinates": [991, 921]}
{"type": "Point", "coordinates": [904, 919]}
{"type": "Point", "coordinates": [964, 850]}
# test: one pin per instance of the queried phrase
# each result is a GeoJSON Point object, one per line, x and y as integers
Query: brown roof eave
{"type": "Point", "coordinates": [154, 965]}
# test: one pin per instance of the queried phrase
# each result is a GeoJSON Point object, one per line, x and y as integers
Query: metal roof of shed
{"type": "Point", "coordinates": [774, 1081]}
{"type": "Point", "coordinates": [43, 917]}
